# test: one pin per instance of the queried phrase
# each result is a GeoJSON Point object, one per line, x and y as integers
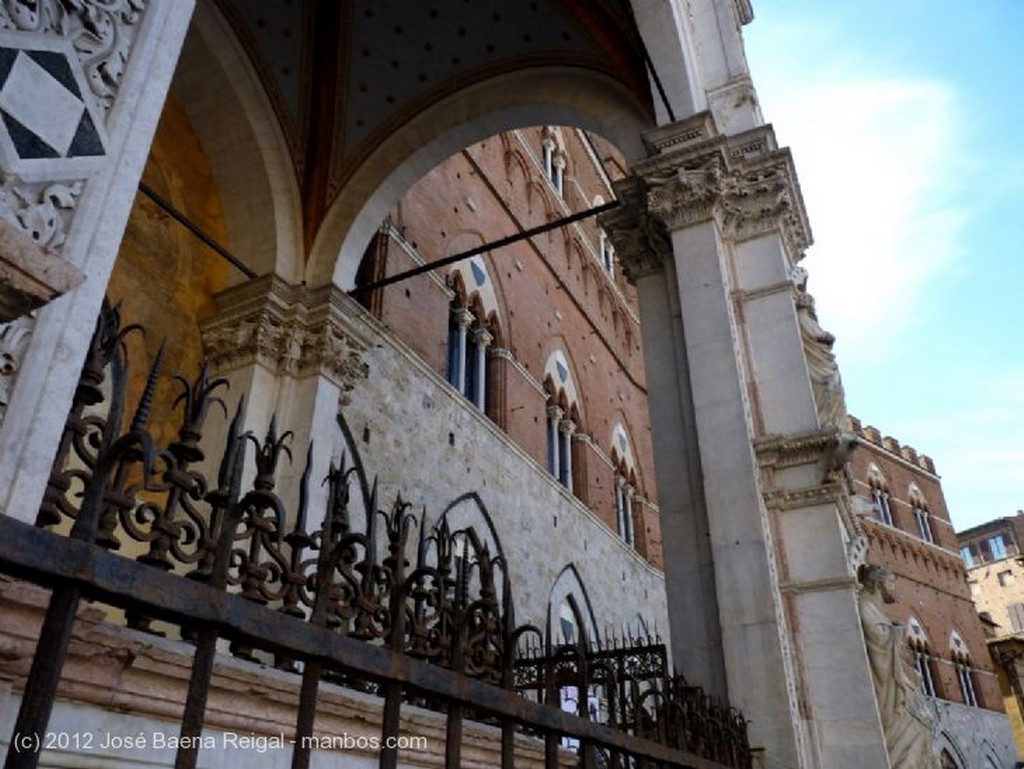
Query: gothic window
{"type": "Point", "coordinates": [625, 484]}
{"type": "Point", "coordinates": [553, 160]}
{"type": "Point", "coordinates": [565, 458]}
{"type": "Point", "coordinates": [468, 340]}
{"type": "Point", "coordinates": [923, 662]}
{"type": "Point", "coordinates": [624, 507]}
{"type": "Point", "coordinates": [607, 253]}
{"type": "Point", "coordinates": [881, 499]}
{"type": "Point", "coordinates": [924, 526]}
{"type": "Point", "coordinates": [966, 680]}
{"type": "Point", "coordinates": [922, 519]}
{"type": "Point", "coordinates": [560, 429]}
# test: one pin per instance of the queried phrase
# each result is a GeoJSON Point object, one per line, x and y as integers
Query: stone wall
{"type": "Point", "coordinates": [422, 439]}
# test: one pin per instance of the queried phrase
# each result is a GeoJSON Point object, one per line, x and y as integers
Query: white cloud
{"type": "Point", "coordinates": [870, 155]}
{"type": "Point", "coordinates": [874, 155]}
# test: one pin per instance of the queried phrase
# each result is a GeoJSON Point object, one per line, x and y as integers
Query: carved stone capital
{"type": "Point", "coordinates": [287, 329]}
{"type": "Point", "coordinates": [640, 239]}
{"type": "Point", "coordinates": [743, 182]}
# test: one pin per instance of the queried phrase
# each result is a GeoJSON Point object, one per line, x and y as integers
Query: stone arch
{"type": "Point", "coordinates": [561, 95]}
{"type": "Point", "coordinates": [568, 589]}
{"type": "Point", "coordinates": [468, 511]}
{"type": "Point", "coordinates": [231, 112]}
{"type": "Point", "coordinates": [949, 752]}
{"type": "Point", "coordinates": [560, 371]}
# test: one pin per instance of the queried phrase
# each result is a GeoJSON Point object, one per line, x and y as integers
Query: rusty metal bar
{"type": "Point", "coordinates": [196, 230]}
{"type": "Point", "coordinates": [49, 559]}
{"type": "Point", "coordinates": [494, 244]}
{"type": "Point", "coordinates": [41, 687]}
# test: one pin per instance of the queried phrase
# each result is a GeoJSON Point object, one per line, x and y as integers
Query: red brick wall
{"type": "Point", "coordinates": [552, 290]}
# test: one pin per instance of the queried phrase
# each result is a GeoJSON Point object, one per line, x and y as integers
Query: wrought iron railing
{"type": "Point", "coordinates": [370, 594]}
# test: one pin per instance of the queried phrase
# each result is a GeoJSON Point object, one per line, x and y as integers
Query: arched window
{"type": "Point", "coordinates": [563, 420]}
{"type": "Point", "coordinates": [923, 659]}
{"type": "Point", "coordinates": [553, 158]}
{"type": "Point", "coordinates": [880, 495]}
{"type": "Point", "coordinates": [468, 340]}
{"type": "Point", "coordinates": [960, 655]}
{"type": "Point", "coordinates": [922, 519]}
{"type": "Point", "coordinates": [625, 484]}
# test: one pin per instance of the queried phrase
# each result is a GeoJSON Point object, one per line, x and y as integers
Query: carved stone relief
{"type": "Point", "coordinates": [61, 67]}
{"type": "Point", "coordinates": [14, 338]}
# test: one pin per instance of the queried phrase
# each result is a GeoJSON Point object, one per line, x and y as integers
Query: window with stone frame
{"type": "Point", "coordinates": [997, 547]}
{"type": "Point", "coordinates": [553, 159]}
{"type": "Point", "coordinates": [922, 518]}
{"type": "Point", "coordinates": [561, 424]}
{"type": "Point", "coordinates": [965, 678]}
{"type": "Point", "coordinates": [925, 665]}
{"type": "Point", "coordinates": [968, 556]}
{"type": "Point", "coordinates": [469, 338]}
{"type": "Point", "coordinates": [880, 496]}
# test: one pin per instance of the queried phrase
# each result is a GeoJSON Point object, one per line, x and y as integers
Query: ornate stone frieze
{"type": "Point", "coordinates": [42, 210]}
{"type": "Point", "coordinates": [61, 67]}
{"type": "Point", "coordinates": [14, 338]}
{"type": "Point", "coordinates": [781, 451]}
{"type": "Point", "coordinates": [101, 32]}
{"type": "Point", "coordinates": [287, 329]}
{"type": "Point", "coordinates": [808, 496]}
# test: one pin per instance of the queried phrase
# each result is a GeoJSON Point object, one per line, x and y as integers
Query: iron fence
{"type": "Point", "coordinates": [370, 594]}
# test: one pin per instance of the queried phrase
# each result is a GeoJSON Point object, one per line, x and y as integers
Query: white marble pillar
{"type": "Point", "coordinates": [291, 353]}
{"type": "Point", "coordinates": [71, 177]}
{"type": "Point", "coordinates": [566, 429]}
{"type": "Point", "coordinates": [463, 319]}
{"type": "Point", "coordinates": [756, 524]}
{"type": "Point", "coordinates": [554, 442]}
{"type": "Point", "coordinates": [482, 339]}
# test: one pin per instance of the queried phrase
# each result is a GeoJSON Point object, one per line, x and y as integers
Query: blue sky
{"type": "Point", "coordinates": [906, 121]}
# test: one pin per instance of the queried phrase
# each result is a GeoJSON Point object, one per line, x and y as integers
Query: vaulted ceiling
{"type": "Point", "coordinates": [343, 73]}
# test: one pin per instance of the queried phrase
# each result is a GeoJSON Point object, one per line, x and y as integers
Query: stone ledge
{"type": "Point", "coordinates": [30, 275]}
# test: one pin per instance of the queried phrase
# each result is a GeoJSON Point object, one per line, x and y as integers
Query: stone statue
{"type": "Point", "coordinates": [821, 361]}
{"type": "Point", "coordinates": [901, 705]}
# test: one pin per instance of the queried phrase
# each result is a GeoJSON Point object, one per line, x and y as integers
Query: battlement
{"type": "Point", "coordinates": [887, 443]}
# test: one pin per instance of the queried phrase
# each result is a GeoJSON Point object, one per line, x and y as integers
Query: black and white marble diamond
{"type": "Point", "coordinates": [48, 124]}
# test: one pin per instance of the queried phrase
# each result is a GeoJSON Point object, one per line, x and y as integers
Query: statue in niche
{"type": "Point", "coordinates": [826, 384]}
{"type": "Point", "coordinates": [901, 704]}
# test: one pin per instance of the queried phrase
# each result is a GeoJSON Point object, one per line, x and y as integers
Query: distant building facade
{"type": "Point", "coordinates": [991, 553]}
{"type": "Point", "coordinates": [908, 528]}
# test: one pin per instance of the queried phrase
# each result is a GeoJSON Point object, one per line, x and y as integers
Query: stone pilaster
{"type": "Point", "coordinates": [761, 592]}
{"type": "Point", "coordinates": [83, 85]}
{"type": "Point", "coordinates": [290, 353]}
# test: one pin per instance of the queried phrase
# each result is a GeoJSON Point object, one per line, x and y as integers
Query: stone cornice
{"type": "Point", "coordinates": [288, 329]}
{"type": "Point", "coordinates": [807, 496]}
{"type": "Point", "coordinates": [781, 451]}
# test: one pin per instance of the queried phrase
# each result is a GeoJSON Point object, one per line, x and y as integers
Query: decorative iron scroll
{"type": "Point", "coordinates": [343, 576]}
{"type": "Point", "coordinates": [374, 572]}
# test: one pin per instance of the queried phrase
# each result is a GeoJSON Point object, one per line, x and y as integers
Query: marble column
{"type": "Point", "coordinates": [292, 354]}
{"type": "Point", "coordinates": [757, 527]}
{"type": "Point", "coordinates": [85, 86]}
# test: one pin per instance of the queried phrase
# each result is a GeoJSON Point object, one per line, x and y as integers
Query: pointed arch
{"type": "Point", "coordinates": [568, 590]}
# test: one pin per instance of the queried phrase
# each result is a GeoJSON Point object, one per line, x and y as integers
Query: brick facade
{"type": "Point", "coordinates": [931, 580]}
